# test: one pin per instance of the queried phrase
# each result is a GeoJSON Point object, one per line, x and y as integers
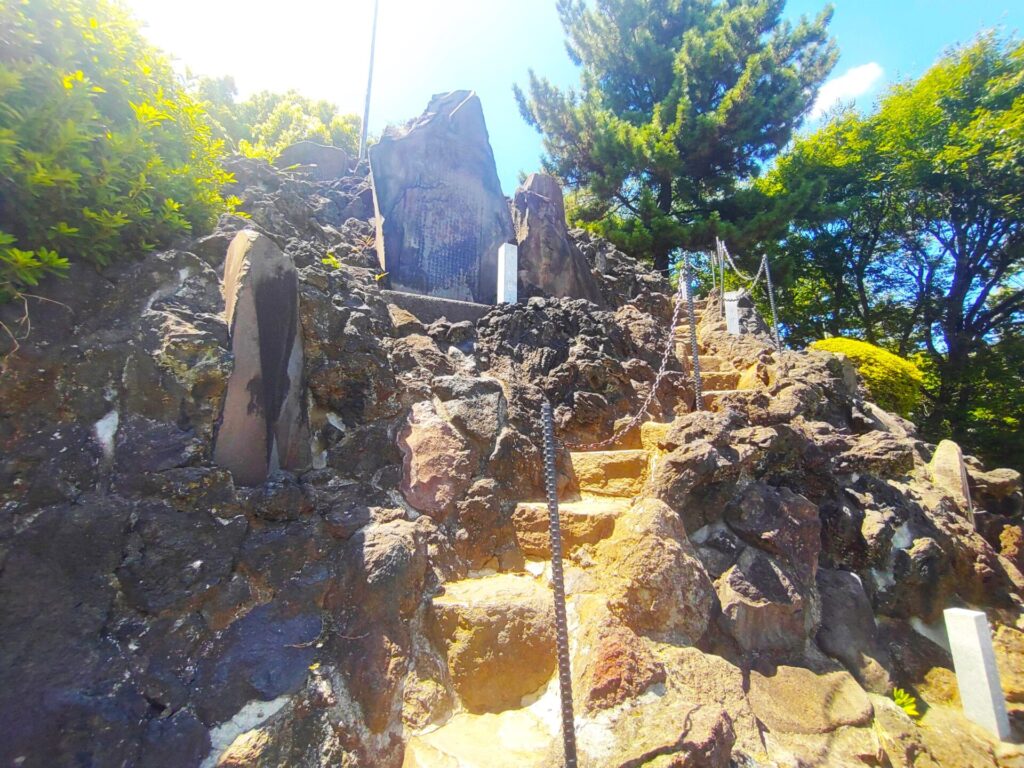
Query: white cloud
{"type": "Point", "coordinates": [847, 87]}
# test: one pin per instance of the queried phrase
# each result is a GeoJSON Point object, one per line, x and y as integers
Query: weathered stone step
{"type": "Point", "coordinates": [517, 738]}
{"type": "Point", "coordinates": [707, 362]}
{"type": "Point", "coordinates": [427, 309]}
{"type": "Point", "coordinates": [582, 522]}
{"type": "Point", "coordinates": [499, 631]}
{"type": "Point", "coordinates": [652, 432]}
{"type": "Point", "coordinates": [719, 380]}
{"type": "Point", "coordinates": [611, 473]}
{"type": "Point", "coordinates": [711, 397]}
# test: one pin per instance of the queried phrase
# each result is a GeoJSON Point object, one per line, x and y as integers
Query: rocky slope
{"type": "Point", "coordinates": [747, 583]}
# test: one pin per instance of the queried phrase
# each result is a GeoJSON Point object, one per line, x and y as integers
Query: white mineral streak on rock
{"type": "Point", "coordinates": [105, 429]}
{"type": "Point", "coordinates": [252, 715]}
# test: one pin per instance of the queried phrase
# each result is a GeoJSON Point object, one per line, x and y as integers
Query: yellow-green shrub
{"type": "Point", "coordinates": [102, 150]}
{"type": "Point", "coordinates": [265, 123]}
{"type": "Point", "coordinates": [894, 383]}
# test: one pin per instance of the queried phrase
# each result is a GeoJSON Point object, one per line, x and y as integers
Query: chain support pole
{"type": "Point", "coordinates": [698, 395]}
{"type": "Point", "coordinates": [771, 302]}
{"type": "Point", "coordinates": [558, 586]}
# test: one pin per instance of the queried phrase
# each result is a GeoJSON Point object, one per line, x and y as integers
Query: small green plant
{"type": "Point", "coordinates": [894, 383]}
{"type": "Point", "coordinates": [906, 702]}
{"type": "Point", "coordinates": [103, 152]}
{"type": "Point", "coordinates": [331, 260]}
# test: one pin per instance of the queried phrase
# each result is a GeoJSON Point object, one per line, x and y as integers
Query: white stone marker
{"type": "Point", "coordinates": [732, 312]}
{"type": "Point", "coordinates": [508, 274]}
{"type": "Point", "coordinates": [970, 642]}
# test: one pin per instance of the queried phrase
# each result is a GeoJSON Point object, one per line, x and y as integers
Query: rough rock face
{"type": "Point", "coordinates": [550, 264]}
{"type": "Point", "coordinates": [319, 162]}
{"type": "Point", "coordinates": [441, 215]}
{"type": "Point", "coordinates": [746, 583]}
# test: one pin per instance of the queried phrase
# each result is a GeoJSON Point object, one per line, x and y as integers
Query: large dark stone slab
{"type": "Point", "coordinates": [550, 264]}
{"type": "Point", "coordinates": [263, 426]}
{"type": "Point", "coordinates": [441, 215]}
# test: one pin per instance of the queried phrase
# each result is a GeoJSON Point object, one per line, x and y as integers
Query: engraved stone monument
{"type": "Point", "coordinates": [441, 215]}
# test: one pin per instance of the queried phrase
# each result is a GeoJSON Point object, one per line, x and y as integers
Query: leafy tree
{"type": "Point", "coordinates": [266, 123]}
{"type": "Point", "coordinates": [102, 151]}
{"type": "Point", "coordinates": [846, 226]}
{"type": "Point", "coordinates": [908, 227]}
{"type": "Point", "coordinates": [956, 138]}
{"type": "Point", "coordinates": [995, 422]}
{"type": "Point", "coordinates": [679, 103]}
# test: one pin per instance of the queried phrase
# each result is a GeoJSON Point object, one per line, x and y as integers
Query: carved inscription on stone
{"type": "Point", "coordinates": [441, 216]}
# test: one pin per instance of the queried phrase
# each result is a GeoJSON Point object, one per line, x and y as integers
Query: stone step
{"type": "Point", "coordinates": [708, 363]}
{"type": "Point", "coordinates": [711, 397]}
{"type": "Point", "coordinates": [499, 633]}
{"type": "Point", "coordinates": [427, 309]}
{"type": "Point", "coordinates": [582, 522]}
{"type": "Point", "coordinates": [652, 433]}
{"type": "Point", "coordinates": [620, 474]}
{"type": "Point", "coordinates": [719, 380]}
{"type": "Point", "coordinates": [517, 738]}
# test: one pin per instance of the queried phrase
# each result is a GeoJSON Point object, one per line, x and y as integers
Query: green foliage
{"type": "Point", "coordinates": [266, 123]}
{"type": "Point", "coordinates": [894, 383]}
{"type": "Point", "coordinates": [906, 702]}
{"type": "Point", "coordinates": [102, 151]}
{"type": "Point", "coordinates": [680, 102]}
{"type": "Point", "coordinates": [331, 260]}
{"type": "Point", "coordinates": [907, 229]}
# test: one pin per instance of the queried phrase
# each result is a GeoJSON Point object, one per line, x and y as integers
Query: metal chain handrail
{"type": "Point", "coordinates": [558, 588]}
{"type": "Point", "coordinates": [663, 372]}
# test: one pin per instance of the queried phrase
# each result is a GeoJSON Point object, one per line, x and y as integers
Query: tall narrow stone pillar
{"type": "Point", "coordinates": [970, 642]}
{"type": "Point", "coordinates": [508, 274]}
{"type": "Point", "coordinates": [263, 426]}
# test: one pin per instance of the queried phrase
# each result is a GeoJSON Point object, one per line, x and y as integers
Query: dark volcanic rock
{"type": "Point", "coordinates": [321, 162]}
{"type": "Point", "coordinates": [441, 215]}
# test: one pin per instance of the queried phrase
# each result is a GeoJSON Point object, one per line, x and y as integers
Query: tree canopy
{"type": "Point", "coordinates": [102, 149]}
{"type": "Point", "coordinates": [266, 122]}
{"type": "Point", "coordinates": [908, 227]}
{"type": "Point", "coordinates": [680, 102]}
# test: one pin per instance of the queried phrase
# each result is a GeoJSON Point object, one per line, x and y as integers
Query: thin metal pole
{"type": "Point", "coordinates": [771, 302]}
{"type": "Point", "coordinates": [369, 84]}
{"type": "Point", "coordinates": [698, 394]}
{"type": "Point", "coordinates": [558, 585]}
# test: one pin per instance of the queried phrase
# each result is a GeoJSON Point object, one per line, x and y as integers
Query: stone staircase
{"type": "Point", "coordinates": [489, 619]}
{"type": "Point", "coordinates": [718, 377]}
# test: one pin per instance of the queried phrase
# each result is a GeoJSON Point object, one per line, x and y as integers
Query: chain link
{"type": "Point", "coordinates": [771, 302]}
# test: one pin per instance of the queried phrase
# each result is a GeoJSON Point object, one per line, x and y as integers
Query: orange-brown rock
{"type": "Point", "coordinates": [437, 462]}
{"type": "Point", "coordinates": [619, 667]}
{"type": "Point", "coordinates": [498, 632]}
{"type": "Point", "coordinates": [651, 576]}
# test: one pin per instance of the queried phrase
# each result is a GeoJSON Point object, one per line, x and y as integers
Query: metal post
{"type": "Point", "coordinates": [771, 302]}
{"type": "Point", "coordinates": [369, 84]}
{"type": "Point", "coordinates": [558, 585]}
{"type": "Point", "coordinates": [698, 395]}
{"type": "Point", "coordinates": [721, 266]}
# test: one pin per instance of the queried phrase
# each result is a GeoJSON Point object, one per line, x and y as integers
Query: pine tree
{"type": "Point", "coordinates": [680, 102]}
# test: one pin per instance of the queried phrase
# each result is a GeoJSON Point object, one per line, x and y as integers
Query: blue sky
{"type": "Point", "coordinates": [320, 47]}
